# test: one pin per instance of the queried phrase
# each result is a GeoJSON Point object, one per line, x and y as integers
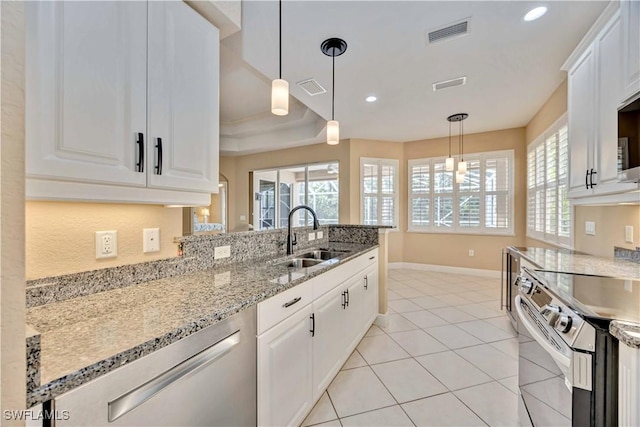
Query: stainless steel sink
{"type": "Point", "coordinates": [322, 254]}
{"type": "Point", "coordinates": [300, 262]}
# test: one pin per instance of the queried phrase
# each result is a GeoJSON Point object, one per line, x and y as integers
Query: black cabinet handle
{"type": "Point", "coordinates": [159, 164]}
{"type": "Point", "coordinates": [140, 143]}
{"type": "Point", "coordinates": [347, 291]}
{"type": "Point", "coordinates": [586, 179]}
{"type": "Point", "coordinates": [366, 282]}
{"type": "Point", "coordinates": [373, 257]}
{"type": "Point", "coordinates": [344, 300]}
{"type": "Point", "coordinates": [313, 324]}
{"type": "Point", "coordinates": [591, 177]}
{"type": "Point", "coordinates": [290, 303]}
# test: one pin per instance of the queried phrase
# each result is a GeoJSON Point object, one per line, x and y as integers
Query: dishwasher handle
{"type": "Point", "coordinates": [136, 397]}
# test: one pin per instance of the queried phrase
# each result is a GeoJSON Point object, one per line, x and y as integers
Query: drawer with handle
{"type": "Point", "coordinates": [277, 308]}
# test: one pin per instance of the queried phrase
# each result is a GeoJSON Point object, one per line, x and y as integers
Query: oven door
{"type": "Point", "coordinates": [544, 369]}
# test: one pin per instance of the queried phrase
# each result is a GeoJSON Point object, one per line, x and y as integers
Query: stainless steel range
{"type": "Point", "coordinates": [568, 360]}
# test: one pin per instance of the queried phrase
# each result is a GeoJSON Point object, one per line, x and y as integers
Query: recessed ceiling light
{"type": "Point", "coordinates": [536, 13]}
{"type": "Point", "coordinates": [371, 98]}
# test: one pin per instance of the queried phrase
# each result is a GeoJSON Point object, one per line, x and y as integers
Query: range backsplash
{"type": "Point", "coordinates": [628, 254]}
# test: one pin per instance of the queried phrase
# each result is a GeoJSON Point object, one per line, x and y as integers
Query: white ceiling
{"type": "Point", "coordinates": [511, 66]}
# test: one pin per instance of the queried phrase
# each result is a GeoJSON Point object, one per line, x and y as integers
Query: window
{"type": "Point", "coordinates": [280, 190]}
{"type": "Point", "coordinates": [379, 190]}
{"type": "Point", "coordinates": [483, 203]}
{"type": "Point", "coordinates": [549, 214]}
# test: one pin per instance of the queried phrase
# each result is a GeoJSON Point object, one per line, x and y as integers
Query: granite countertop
{"type": "Point", "coordinates": [627, 332]}
{"type": "Point", "coordinates": [567, 261]}
{"type": "Point", "coordinates": [85, 337]}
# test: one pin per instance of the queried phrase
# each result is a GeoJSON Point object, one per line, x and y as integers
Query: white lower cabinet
{"type": "Point", "coordinates": [628, 386]}
{"type": "Point", "coordinates": [299, 356]}
{"type": "Point", "coordinates": [285, 353]}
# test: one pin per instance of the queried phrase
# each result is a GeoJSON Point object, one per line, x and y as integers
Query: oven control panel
{"type": "Point", "coordinates": [568, 324]}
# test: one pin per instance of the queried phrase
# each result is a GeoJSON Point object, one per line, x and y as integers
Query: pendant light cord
{"type": "Point", "coordinates": [280, 36]}
{"type": "Point", "coordinates": [333, 85]}
{"type": "Point", "coordinates": [462, 139]}
{"type": "Point", "coordinates": [449, 139]}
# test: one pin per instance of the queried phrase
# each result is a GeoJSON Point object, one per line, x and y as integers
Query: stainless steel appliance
{"type": "Point", "coordinates": [629, 141]}
{"type": "Point", "coordinates": [568, 360]}
{"type": "Point", "coordinates": [509, 288]}
{"type": "Point", "coordinates": [205, 379]}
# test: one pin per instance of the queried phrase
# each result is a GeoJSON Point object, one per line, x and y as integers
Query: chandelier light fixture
{"type": "Point", "coordinates": [462, 165]}
{"type": "Point", "coordinates": [333, 47]}
{"type": "Point", "coordinates": [280, 87]}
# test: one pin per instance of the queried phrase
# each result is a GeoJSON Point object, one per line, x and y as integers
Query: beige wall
{"type": "Point", "coordinates": [610, 222]}
{"type": "Point", "coordinates": [452, 249]}
{"type": "Point", "coordinates": [60, 236]}
{"type": "Point", "coordinates": [552, 109]}
{"type": "Point", "coordinates": [12, 290]}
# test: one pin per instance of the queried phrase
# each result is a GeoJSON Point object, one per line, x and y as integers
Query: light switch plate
{"type": "Point", "coordinates": [628, 233]}
{"type": "Point", "coordinates": [312, 236]}
{"type": "Point", "coordinates": [150, 240]}
{"type": "Point", "coordinates": [590, 228]}
{"type": "Point", "coordinates": [319, 234]}
{"type": "Point", "coordinates": [106, 244]}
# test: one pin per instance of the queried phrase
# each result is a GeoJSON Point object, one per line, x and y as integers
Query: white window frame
{"type": "Point", "coordinates": [456, 228]}
{"type": "Point", "coordinates": [532, 232]}
{"type": "Point", "coordinates": [395, 164]}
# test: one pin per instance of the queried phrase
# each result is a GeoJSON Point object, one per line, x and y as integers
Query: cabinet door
{"type": "Point", "coordinates": [630, 16]}
{"type": "Point", "coordinates": [285, 371]}
{"type": "Point", "coordinates": [354, 320]}
{"type": "Point", "coordinates": [86, 74]}
{"type": "Point", "coordinates": [581, 119]}
{"type": "Point", "coordinates": [329, 340]}
{"type": "Point", "coordinates": [183, 99]}
{"type": "Point", "coordinates": [370, 295]}
{"type": "Point", "coordinates": [608, 81]}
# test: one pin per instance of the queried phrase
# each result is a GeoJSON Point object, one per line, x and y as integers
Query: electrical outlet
{"type": "Point", "coordinates": [150, 240]}
{"type": "Point", "coordinates": [472, 252]}
{"type": "Point", "coordinates": [628, 233]}
{"type": "Point", "coordinates": [319, 234]}
{"type": "Point", "coordinates": [243, 218]}
{"type": "Point", "coordinates": [106, 244]}
{"type": "Point", "coordinates": [221, 252]}
{"type": "Point", "coordinates": [312, 236]}
{"type": "Point", "coordinates": [590, 228]}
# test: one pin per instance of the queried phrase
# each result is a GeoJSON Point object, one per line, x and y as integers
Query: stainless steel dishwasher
{"type": "Point", "coordinates": [205, 379]}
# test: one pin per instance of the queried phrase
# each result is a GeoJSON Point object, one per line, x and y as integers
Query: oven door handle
{"type": "Point", "coordinates": [563, 361]}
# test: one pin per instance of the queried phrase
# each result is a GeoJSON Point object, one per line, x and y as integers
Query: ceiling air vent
{"type": "Point", "coordinates": [449, 83]}
{"type": "Point", "coordinates": [312, 87]}
{"type": "Point", "coordinates": [457, 29]}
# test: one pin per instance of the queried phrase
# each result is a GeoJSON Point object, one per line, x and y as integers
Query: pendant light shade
{"type": "Point", "coordinates": [449, 164]}
{"type": "Point", "coordinates": [280, 97]}
{"type": "Point", "coordinates": [462, 165]}
{"type": "Point", "coordinates": [333, 47]}
{"type": "Point", "coordinates": [333, 132]}
{"type": "Point", "coordinates": [279, 87]}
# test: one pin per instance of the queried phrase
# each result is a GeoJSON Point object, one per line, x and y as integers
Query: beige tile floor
{"type": "Point", "coordinates": [448, 357]}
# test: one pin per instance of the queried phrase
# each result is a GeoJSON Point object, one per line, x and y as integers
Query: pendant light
{"type": "Point", "coordinates": [450, 162]}
{"type": "Point", "coordinates": [462, 165]}
{"type": "Point", "coordinates": [333, 47]}
{"type": "Point", "coordinates": [280, 87]}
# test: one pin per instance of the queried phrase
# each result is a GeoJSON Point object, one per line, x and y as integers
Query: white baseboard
{"type": "Point", "coordinates": [382, 320]}
{"type": "Point", "coordinates": [444, 269]}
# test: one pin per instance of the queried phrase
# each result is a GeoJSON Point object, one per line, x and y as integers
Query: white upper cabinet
{"type": "Point", "coordinates": [630, 17]}
{"type": "Point", "coordinates": [183, 99]}
{"type": "Point", "coordinates": [105, 83]}
{"type": "Point", "coordinates": [595, 77]}
{"type": "Point", "coordinates": [86, 90]}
